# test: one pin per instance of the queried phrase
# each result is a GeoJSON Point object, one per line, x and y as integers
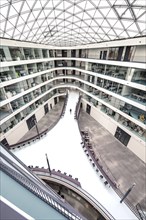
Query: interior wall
{"type": "Point", "coordinates": [138, 55]}
{"type": "Point", "coordinates": [21, 128]}
{"type": "Point", "coordinates": [137, 148]}
{"type": "Point", "coordinates": [12, 135]}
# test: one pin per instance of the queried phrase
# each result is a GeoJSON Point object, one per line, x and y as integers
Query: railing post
{"type": "Point", "coordinates": [48, 164]}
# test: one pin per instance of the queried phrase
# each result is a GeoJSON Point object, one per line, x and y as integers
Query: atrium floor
{"type": "Point", "coordinates": [125, 166]}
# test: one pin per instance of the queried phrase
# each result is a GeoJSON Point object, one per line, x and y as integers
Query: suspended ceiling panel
{"type": "Point", "coordinates": [72, 22]}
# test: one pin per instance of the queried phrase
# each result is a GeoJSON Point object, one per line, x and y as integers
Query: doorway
{"type": "Point", "coordinates": [88, 109]}
{"type": "Point", "coordinates": [46, 109]}
{"type": "Point", "coordinates": [31, 122]}
{"type": "Point", "coordinates": [122, 136]}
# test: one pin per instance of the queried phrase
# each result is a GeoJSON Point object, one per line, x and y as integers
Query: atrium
{"type": "Point", "coordinates": [73, 87]}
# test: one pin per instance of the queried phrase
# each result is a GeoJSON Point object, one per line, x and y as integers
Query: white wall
{"type": "Point", "coordinates": [51, 101]}
{"type": "Point", "coordinates": [137, 148]}
{"type": "Point", "coordinates": [21, 128]}
{"type": "Point", "coordinates": [139, 52]}
{"type": "Point", "coordinates": [40, 113]}
{"type": "Point", "coordinates": [104, 120]}
{"type": "Point", "coordinates": [94, 53]}
{"type": "Point", "coordinates": [15, 134]}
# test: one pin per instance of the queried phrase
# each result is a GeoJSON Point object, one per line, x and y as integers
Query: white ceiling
{"type": "Point", "coordinates": [72, 22]}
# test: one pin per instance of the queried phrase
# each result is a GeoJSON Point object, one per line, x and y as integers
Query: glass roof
{"type": "Point", "coordinates": [72, 22]}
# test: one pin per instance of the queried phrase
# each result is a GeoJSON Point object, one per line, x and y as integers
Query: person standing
{"type": "Point", "coordinates": [70, 110]}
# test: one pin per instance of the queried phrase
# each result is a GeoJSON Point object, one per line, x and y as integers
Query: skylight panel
{"type": "Point", "coordinates": [127, 14]}
{"type": "Point", "coordinates": [31, 17]}
{"type": "Point", "coordinates": [49, 13]}
{"type": "Point", "coordinates": [6, 35]}
{"type": "Point", "coordinates": [66, 24]}
{"type": "Point", "coordinates": [144, 32]}
{"type": "Point", "coordinates": [12, 11]}
{"type": "Point", "coordinates": [89, 5]}
{"type": "Point", "coordinates": [124, 34]}
{"type": "Point", "coordinates": [126, 23]}
{"type": "Point", "coordinates": [61, 5]}
{"type": "Point", "coordinates": [13, 20]}
{"type": "Point", "coordinates": [37, 5]}
{"type": "Point", "coordinates": [142, 26]}
{"type": "Point", "coordinates": [106, 37]}
{"type": "Point", "coordinates": [24, 16]}
{"type": "Point", "coordinates": [113, 2]}
{"type": "Point", "coordinates": [26, 7]}
{"type": "Point", "coordinates": [4, 11]}
{"type": "Point", "coordinates": [105, 11]}
{"type": "Point", "coordinates": [131, 34]}
{"type": "Point", "coordinates": [138, 11]}
{"type": "Point", "coordinates": [36, 13]}
{"type": "Point", "coordinates": [1, 33]}
{"type": "Point", "coordinates": [106, 29]}
{"type": "Point", "coordinates": [112, 22]}
{"type": "Point", "coordinates": [105, 23]}
{"type": "Point", "coordinates": [2, 26]}
{"type": "Point", "coordinates": [10, 32]}
{"type": "Point", "coordinates": [66, 16]}
{"type": "Point", "coordinates": [103, 3]}
{"type": "Point", "coordinates": [118, 25]}
{"type": "Point", "coordinates": [113, 37]}
{"type": "Point", "coordinates": [87, 22]}
{"type": "Point", "coordinates": [35, 25]}
{"type": "Point", "coordinates": [97, 14]}
{"type": "Point", "coordinates": [86, 16]}
{"type": "Point", "coordinates": [71, 10]}
{"type": "Point", "coordinates": [118, 31]}
{"type": "Point", "coordinates": [121, 10]}
{"type": "Point", "coordinates": [82, 4]}
{"type": "Point", "coordinates": [77, 9]}
{"type": "Point", "coordinates": [142, 18]}
{"type": "Point", "coordinates": [57, 13]}
{"type": "Point", "coordinates": [17, 32]}
{"type": "Point", "coordinates": [17, 6]}
{"type": "Point", "coordinates": [20, 21]}
{"type": "Point", "coordinates": [140, 2]}
{"type": "Point", "coordinates": [3, 3]}
{"type": "Point", "coordinates": [111, 14]}
{"type": "Point", "coordinates": [39, 23]}
{"type": "Point", "coordinates": [100, 31]}
{"type": "Point", "coordinates": [9, 25]}
{"type": "Point", "coordinates": [20, 28]}
{"type": "Point", "coordinates": [133, 27]}
{"type": "Point", "coordinates": [26, 29]}
{"type": "Point", "coordinates": [93, 23]}
{"type": "Point", "coordinates": [120, 2]}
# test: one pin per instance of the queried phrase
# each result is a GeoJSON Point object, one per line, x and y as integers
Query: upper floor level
{"type": "Point", "coordinates": [132, 50]}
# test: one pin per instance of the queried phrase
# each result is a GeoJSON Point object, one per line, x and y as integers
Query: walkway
{"type": "Point", "coordinates": [124, 165]}
{"type": "Point", "coordinates": [62, 144]}
{"type": "Point", "coordinates": [46, 122]}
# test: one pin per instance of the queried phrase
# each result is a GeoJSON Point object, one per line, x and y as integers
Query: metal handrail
{"type": "Point", "coordinates": [113, 185]}
{"type": "Point", "coordinates": [77, 110]}
{"type": "Point", "coordinates": [60, 206]}
{"type": "Point", "coordinates": [50, 191]}
{"type": "Point", "coordinates": [64, 106]}
{"type": "Point", "coordinates": [140, 212]}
